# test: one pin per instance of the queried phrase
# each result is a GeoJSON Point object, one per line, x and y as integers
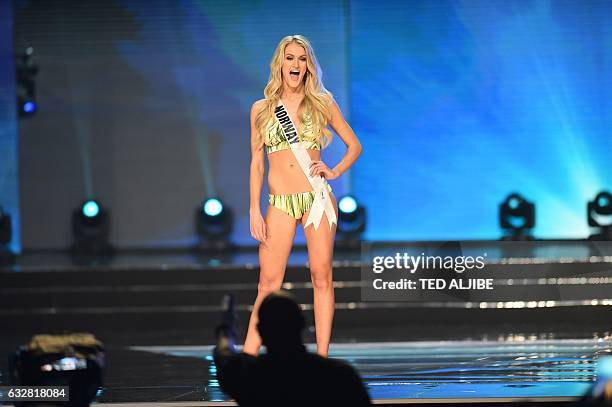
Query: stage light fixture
{"type": "Point", "coordinates": [347, 204]}
{"type": "Point", "coordinates": [351, 222]}
{"type": "Point", "coordinates": [212, 207]}
{"type": "Point", "coordinates": [91, 209]}
{"type": "Point", "coordinates": [26, 70]}
{"type": "Point", "coordinates": [516, 217]}
{"type": "Point", "coordinates": [214, 223]}
{"type": "Point", "coordinates": [29, 107]}
{"type": "Point", "coordinates": [91, 229]}
{"type": "Point", "coordinates": [599, 215]}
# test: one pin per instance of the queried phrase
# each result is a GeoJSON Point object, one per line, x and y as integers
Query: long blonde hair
{"type": "Point", "coordinates": [317, 99]}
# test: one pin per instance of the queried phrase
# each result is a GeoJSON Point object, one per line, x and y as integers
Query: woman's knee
{"type": "Point", "coordinates": [269, 284]}
{"type": "Point", "coordinates": [321, 275]}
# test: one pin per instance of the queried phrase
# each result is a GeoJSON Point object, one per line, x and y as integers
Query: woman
{"type": "Point", "coordinates": [297, 178]}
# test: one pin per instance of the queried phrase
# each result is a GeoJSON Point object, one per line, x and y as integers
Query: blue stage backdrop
{"type": "Point", "coordinates": [145, 105]}
{"type": "Point", "coordinates": [459, 103]}
{"type": "Point", "coordinates": [9, 187]}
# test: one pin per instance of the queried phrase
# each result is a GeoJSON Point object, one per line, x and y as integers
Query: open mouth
{"type": "Point", "coordinates": [294, 74]}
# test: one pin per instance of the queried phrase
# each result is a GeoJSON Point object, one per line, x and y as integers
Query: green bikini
{"type": "Point", "coordinates": [294, 205]}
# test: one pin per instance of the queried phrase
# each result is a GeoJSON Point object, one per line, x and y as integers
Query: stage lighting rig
{"type": "Point", "coordinates": [26, 70]}
{"type": "Point", "coordinates": [517, 218]}
{"type": "Point", "coordinates": [599, 215]}
{"type": "Point", "coordinates": [351, 222]}
{"type": "Point", "coordinates": [91, 229]}
{"type": "Point", "coordinates": [214, 224]}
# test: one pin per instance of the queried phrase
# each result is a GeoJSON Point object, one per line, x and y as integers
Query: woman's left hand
{"type": "Point", "coordinates": [320, 168]}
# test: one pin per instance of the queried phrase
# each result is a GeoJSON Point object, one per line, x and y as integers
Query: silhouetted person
{"type": "Point", "coordinates": [287, 374]}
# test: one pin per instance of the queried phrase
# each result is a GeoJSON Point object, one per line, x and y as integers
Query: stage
{"type": "Point", "coordinates": [156, 312]}
{"type": "Point", "coordinates": [512, 369]}
{"type": "Point", "coordinates": [136, 130]}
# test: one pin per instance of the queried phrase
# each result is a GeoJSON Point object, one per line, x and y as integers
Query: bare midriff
{"type": "Point", "coordinates": [284, 173]}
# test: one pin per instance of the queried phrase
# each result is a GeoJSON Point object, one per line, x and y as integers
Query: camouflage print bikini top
{"type": "Point", "coordinates": [275, 141]}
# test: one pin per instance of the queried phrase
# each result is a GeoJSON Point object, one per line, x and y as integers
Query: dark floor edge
{"type": "Point", "coordinates": [428, 401]}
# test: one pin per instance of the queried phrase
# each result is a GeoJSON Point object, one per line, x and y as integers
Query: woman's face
{"type": "Point", "coordinates": [294, 64]}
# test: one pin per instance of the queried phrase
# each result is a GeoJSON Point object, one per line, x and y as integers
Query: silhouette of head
{"type": "Point", "coordinates": [280, 321]}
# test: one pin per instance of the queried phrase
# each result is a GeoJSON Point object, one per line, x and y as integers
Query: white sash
{"type": "Point", "coordinates": [322, 201]}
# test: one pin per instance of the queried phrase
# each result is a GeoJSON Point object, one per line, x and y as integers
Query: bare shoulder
{"type": "Point", "coordinates": [333, 105]}
{"type": "Point", "coordinates": [258, 105]}
{"type": "Point", "coordinates": [334, 110]}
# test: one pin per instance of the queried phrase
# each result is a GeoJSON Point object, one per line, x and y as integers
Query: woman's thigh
{"type": "Point", "coordinates": [320, 242]}
{"type": "Point", "coordinates": [273, 254]}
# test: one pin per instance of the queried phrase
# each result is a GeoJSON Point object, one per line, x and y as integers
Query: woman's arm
{"type": "Point", "coordinates": [258, 227]}
{"type": "Point", "coordinates": [353, 146]}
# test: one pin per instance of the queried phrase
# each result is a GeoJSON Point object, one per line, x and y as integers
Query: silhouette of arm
{"type": "Point", "coordinates": [225, 333]}
{"type": "Point", "coordinates": [232, 367]}
{"type": "Point", "coordinates": [224, 350]}
{"type": "Point", "coordinates": [224, 353]}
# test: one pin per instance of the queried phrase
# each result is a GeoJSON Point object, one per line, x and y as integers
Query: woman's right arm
{"type": "Point", "coordinates": [257, 224]}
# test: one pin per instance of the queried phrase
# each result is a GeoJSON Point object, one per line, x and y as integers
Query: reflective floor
{"type": "Point", "coordinates": [537, 336]}
{"type": "Point", "coordinates": [507, 368]}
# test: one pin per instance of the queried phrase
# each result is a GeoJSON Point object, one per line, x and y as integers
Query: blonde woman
{"type": "Point", "coordinates": [290, 127]}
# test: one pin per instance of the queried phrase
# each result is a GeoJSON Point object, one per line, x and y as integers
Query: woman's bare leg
{"type": "Point", "coordinates": [272, 262]}
{"type": "Point", "coordinates": [320, 244]}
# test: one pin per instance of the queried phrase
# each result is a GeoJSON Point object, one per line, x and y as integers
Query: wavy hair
{"type": "Point", "coordinates": [317, 99]}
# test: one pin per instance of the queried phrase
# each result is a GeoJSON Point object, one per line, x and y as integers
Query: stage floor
{"type": "Point", "coordinates": [509, 368]}
{"type": "Point", "coordinates": [534, 340]}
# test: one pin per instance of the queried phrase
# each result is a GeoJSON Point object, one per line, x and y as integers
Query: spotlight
{"type": "Point", "coordinates": [28, 107]}
{"type": "Point", "coordinates": [599, 215]}
{"type": "Point", "coordinates": [212, 207]}
{"type": "Point", "coordinates": [90, 209]}
{"type": "Point", "coordinates": [347, 204]}
{"type": "Point", "coordinates": [351, 222]}
{"type": "Point", "coordinates": [91, 229]}
{"type": "Point", "coordinates": [26, 71]}
{"type": "Point", "coordinates": [517, 218]}
{"type": "Point", "coordinates": [213, 224]}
